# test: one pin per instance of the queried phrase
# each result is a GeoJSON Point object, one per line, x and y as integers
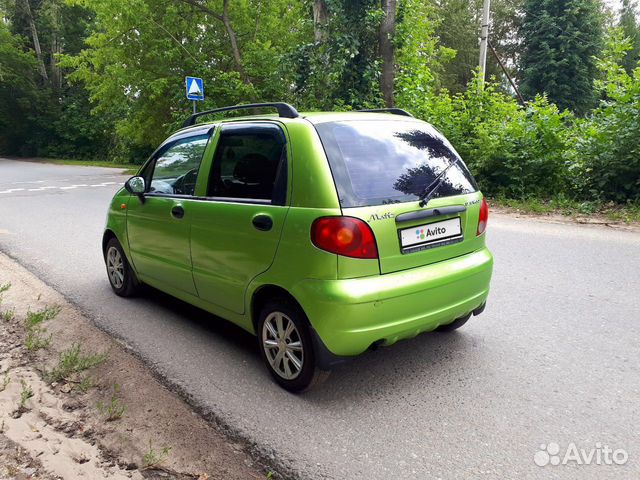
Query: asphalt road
{"type": "Point", "coordinates": [555, 358]}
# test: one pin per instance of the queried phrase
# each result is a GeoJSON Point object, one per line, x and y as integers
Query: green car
{"type": "Point", "coordinates": [324, 234]}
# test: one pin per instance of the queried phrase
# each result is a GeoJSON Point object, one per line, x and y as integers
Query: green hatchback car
{"type": "Point", "coordinates": [324, 234]}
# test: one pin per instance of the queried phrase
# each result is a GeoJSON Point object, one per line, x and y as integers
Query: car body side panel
{"type": "Point", "coordinates": [117, 219]}
{"type": "Point", "coordinates": [228, 251]}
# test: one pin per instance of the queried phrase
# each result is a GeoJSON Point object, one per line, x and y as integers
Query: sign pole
{"type": "Point", "coordinates": [194, 107]}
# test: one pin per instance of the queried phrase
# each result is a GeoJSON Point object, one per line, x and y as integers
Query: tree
{"type": "Point", "coordinates": [559, 41]}
{"type": "Point", "coordinates": [458, 28]}
{"type": "Point", "coordinates": [19, 93]}
{"type": "Point", "coordinates": [631, 30]}
{"type": "Point", "coordinates": [386, 49]}
{"type": "Point", "coordinates": [140, 51]}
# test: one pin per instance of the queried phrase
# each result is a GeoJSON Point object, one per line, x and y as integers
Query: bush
{"type": "Point", "coordinates": [514, 152]}
{"type": "Point", "coordinates": [607, 151]}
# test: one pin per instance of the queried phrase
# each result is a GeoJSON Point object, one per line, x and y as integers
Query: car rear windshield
{"type": "Point", "coordinates": [377, 162]}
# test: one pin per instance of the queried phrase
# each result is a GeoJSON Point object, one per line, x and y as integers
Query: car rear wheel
{"type": "Point", "coordinates": [286, 346]}
{"type": "Point", "coordinates": [121, 277]}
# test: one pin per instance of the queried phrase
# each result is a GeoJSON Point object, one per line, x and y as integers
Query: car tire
{"type": "Point", "coordinates": [286, 347]}
{"type": "Point", "coordinates": [456, 324]}
{"type": "Point", "coordinates": [121, 276]}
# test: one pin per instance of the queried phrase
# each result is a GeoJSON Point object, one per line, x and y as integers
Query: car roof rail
{"type": "Point", "coordinates": [284, 110]}
{"type": "Point", "coordinates": [394, 111]}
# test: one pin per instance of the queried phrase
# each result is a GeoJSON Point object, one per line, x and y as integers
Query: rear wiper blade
{"type": "Point", "coordinates": [433, 187]}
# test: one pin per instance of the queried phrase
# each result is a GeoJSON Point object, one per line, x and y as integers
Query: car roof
{"type": "Point", "coordinates": [312, 117]}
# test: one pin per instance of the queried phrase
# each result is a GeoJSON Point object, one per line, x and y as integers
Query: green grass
{"type": "Point", "coordinates": [25, 394]}
{"type": "Point", "coordinates": [8, 315]}
{"type": "Point", "coordinates": [155, 457]}
{"type": "Point", "coordinates": [114, 409]}
{"type": "Point", "coordinates": [628, 213]}
{"type": "Point", "coordinates": [39, 316]}
{"type": "Point", "coordinates": [129, 168]}
{"type": "Point", "coordinates": [37, 337]}
{"type": "Point", "coordinates": [6, 380]}
{"type": "Point", "coordinates": [74, 361]}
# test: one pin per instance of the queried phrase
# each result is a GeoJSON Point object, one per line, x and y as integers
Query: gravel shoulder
{"type": "Point", "coordinates": [111, 420]}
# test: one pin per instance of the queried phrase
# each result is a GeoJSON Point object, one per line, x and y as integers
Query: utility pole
{"type": "Point", "coordinates": [484, 39]}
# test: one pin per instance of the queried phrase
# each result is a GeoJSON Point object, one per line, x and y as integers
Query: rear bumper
{"type": "Point", "coordinates": [351, 315]}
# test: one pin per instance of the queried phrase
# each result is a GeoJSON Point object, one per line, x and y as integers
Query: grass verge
{"type": "Point", "coordinates": [626, 213]}
{"type": "Point", "coordinates": [129, 168]}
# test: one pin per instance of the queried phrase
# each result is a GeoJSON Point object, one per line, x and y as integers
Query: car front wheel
{"type": "Point", "coordinates": [286, 346]}
{"type": "Point", "coordinates": [121, 277]}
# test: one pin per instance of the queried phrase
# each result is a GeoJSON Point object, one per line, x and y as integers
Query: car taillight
{"type": "Point", "coordinates": [484, 216]}
{"type": "Point", "coordinates": [347, 236]}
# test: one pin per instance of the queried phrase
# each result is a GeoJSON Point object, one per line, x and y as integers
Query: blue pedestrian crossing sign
{"type": "Point", "coordinates": [195, 88]}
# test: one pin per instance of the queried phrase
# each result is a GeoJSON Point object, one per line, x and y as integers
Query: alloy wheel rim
{"type": "Point", "coordinates": [282, 345]}
{"type": "Point", "coordinates": [115, 267]}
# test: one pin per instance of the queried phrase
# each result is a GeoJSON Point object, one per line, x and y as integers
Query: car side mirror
{"type": "Point", "coordinates": [136, 186]}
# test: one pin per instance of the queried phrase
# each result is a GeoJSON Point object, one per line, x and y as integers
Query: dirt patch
{"type": "Point", "coordinates": [76, 404]}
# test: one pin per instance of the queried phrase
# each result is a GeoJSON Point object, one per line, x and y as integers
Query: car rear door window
{"type": "Point", "coordinates": [176, 168]}
{"type": "Point", "coordinates": [250, 163]}
{"type": "Point", "coordinates": [377, 162]}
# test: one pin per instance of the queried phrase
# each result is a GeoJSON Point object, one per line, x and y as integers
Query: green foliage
{"type": "Point", "coordinates": [419, 57]}
{"type": "Point", "coordinates": [607, 153]}
{"type": "Point", "coordinates": [457, 29]}
{"type": "Point", "coordinates": [117, 88]}
{"type": "Point", "coordinates": [19, 93]}
{"type": "Point", "coordinates": [513, 151]}
{"type": "Point", "coordinates": [342, 71]}
{"type": "Point", "coordinates": [559, 41]}
{"type": "Point", "coordinates": [631, 30]}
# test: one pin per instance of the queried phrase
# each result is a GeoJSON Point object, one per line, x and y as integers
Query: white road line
{"type": "Point", "coordinates": [51, 187]}
{"type": "Point", "coordinates": [34, 181]}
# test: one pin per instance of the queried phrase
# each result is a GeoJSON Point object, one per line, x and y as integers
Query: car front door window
{"type": "Point", "coordinates": [176, 168]}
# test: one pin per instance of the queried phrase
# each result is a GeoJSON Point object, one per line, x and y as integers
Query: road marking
{"type": "Point", "coordinates": [13, 190]}
{"type": "Point", "coordinates": [58, 187]}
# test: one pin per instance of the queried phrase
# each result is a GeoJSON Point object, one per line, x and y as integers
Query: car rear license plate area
{"type": "Point", "coordinates": [431, 235]}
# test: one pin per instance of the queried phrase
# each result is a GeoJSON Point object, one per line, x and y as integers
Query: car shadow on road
{"type": "Point", "coordinates": [201, 319]}
{"type": "Point", "coordinates": [429, 358]}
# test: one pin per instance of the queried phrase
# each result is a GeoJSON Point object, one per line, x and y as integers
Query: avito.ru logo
{"type": "Point", "coordinates": [423, 233]}
{"type": "Point", "coordinates": [600, 455]}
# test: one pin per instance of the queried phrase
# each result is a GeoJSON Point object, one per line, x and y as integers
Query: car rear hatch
{"type": "Point", "coordinates": [382, 168]}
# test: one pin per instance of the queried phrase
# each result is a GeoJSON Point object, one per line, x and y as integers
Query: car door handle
{"type": "Point", "coordinates": [177, 211]}
{"type": "Point", "coordinates": [262, 222]}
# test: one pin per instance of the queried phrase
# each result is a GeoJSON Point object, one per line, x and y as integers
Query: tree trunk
{"type": "Point", "coordinates": [56, 47]}
{"type": "Point", "coordinates": [320, 18]}
{"type": "Point", "coordinates": [387, 33]}
{"type": "Point", "coordinates": [237, 56]}
{"type": "Point", "coordinates": [36, 40]}
{"type": "Point", "coordinates": [233, 39]}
